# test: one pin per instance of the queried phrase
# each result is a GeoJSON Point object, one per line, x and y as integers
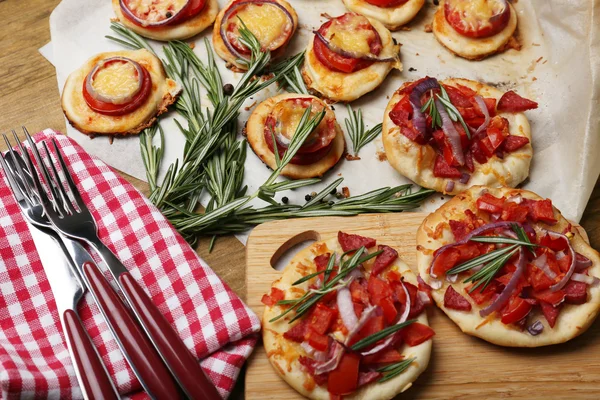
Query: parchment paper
{"type": "Point", "coordinates": [558, 67]}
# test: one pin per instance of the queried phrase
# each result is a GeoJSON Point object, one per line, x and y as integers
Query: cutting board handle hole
{"type": "Point", "coordinates": [288, 250]}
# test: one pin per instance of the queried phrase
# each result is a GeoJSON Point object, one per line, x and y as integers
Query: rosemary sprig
{"type": "Point", "coordinates": [502, 240]}
{"type": "Point", "coordinates": [484, 258]}
{"type": "Point", "coordinates": [453, 113]}
{"type": "Point", "coordinates": [291, 81]}
{"type": "Point", "coordinates": [436, 118]}
{"type": "Point", "coordinates": [485, 275]}
{"type": "Point", "coordinates": [393, 370]}
{"type": "Point", "coordinates": [376, 337]}
{"type": "Point", "coordinates": [152, 155]}
{"type": "Point", "coordinates": [522, 235]}
{"type": "Point", "coordinates": [357, 131]}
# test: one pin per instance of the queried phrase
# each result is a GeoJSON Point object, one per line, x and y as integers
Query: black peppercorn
{"type": "Point", "coordinates": [411, 69]}
{"type": "Point", "coordinates": [333, 191]}
{"type": "Point", "coordinates": [284, 200]}
{"type": "Point", "coordinates": [228, 89]}
{"type": "Point", "coordinates": [308, 197]}
{"type": "Point", "coordinates": [331, 203]}
{"type": "Point", "coordinates": [436, 2]}
{"type": "Point", "coordinates": [168, 14]}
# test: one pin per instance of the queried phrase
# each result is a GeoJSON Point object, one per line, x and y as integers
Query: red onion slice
{"type": "Point", "coordinates": [590, 280]}
{"type": "Point", "coordinates": [567, 277]}
{"type": "Point", "coordinates": [475, 232]}
{"type": "Point", "coordinates": [235, 6]}
{"type": "Point", "coordinates": [346, 308]}
{"type": "Point", "coordinates": [582, 262]}
{"type": "Point", "coordinates": [542, 263]}
{"type": "Point", "coordinates": [419, 120]}
{"type": "Point", "coordinates": [336, 351]}
{"type": "Point", "coordinates": [424, 297]}
{"type": "Point", "coordinates": [314, 353]}
{"type": "Point", "coordinates": [344, 53]}
{"type": "Point", "coordinates": [451, 133]}
{"type": "Point", "coordinates": [173, 18]}
{"type": "Point", "coordinates": [402, 319]}
{"type": "Point", "coordinates": [517, 199]}
{"type": "Point", "coordinates": [452, 278]}
{"type": "Point", "coordinates": [464, 178]}
{"type": "Point", "coordinates": [486, 114]}
{"type": "Point", "coordinates": [364, 317]}
{"type": "Point", "coordinates": [449, 186]}
{"type": "Point", "coordinates": [122, 100]}
{"type": "Point", "coordinates": [536, 328]}
{"type": "Point", "coordinates": [509, 289]}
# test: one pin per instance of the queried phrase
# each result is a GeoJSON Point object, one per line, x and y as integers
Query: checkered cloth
{"type": "Point", "coordinates": [212, 320]}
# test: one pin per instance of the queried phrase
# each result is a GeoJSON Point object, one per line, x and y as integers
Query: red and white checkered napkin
{"type": "Point", "coordinates": [212, 320]}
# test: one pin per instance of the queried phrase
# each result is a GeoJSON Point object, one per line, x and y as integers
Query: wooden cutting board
{"type": "Point", "coordinates": [461, 366]}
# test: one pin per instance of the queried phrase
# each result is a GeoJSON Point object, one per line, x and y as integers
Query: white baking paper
{"type": "Point", "coordinates": [558, 67]}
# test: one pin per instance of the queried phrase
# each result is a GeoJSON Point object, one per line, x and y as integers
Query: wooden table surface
{"type": "Point", "coordinates": [29, 95]}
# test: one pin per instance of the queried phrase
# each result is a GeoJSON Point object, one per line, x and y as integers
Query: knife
{"type": "Point", "coordinates": [68, 290]}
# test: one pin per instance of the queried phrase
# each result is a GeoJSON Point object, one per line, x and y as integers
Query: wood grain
{"type": "Point", "coordinates": [461, 367]}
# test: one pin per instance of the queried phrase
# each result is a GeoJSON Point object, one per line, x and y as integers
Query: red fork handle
{"type": "Point", "coordinates": [93, 378]}
{"type": "Point", "coordinates": [153, 374]}
{"type": "Point", "coordinates": [182, 363]}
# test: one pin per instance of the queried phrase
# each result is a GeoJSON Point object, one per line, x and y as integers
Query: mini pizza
{"type": "Point", "coordinates": [393, 14]}
{"type": "Point", "coordinates": [347, 318]}
{"type": "Point", "coordinates": [118, 93]}
{"type": "Point", "coordinates": [507, 267]}
{"type": "Point", "coordinates": [166, 19]}
{"type": "Point", "coordinates": [278, 117]}
{"type": "Point", "coordinates": [457, 133]}
{"type": "Point", "coordinates": [349, 56]}
{"type": "Point", "coordinates": [475, 29]}
{"type": "Point", "coordinates": [273, 22]}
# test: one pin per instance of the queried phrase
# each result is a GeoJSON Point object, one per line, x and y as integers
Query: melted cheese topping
{"type": "Point", "coordinates": [266, 21]}
{"type": "Point", "coordinates": [288, 115]}
{"type": "Point", "coordinates": [117, 80]}
{"type": "Point", "coordinates": [155, 10]}
{"type": "Point", "coordinates": [351, 35]}
{"type": "Point", "coordinates": [477, 13]}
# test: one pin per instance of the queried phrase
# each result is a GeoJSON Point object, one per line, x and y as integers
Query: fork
{"type": "Point", "coordinates": [129, 336]}
{"type": "Point", "coordinates": [76, 221]}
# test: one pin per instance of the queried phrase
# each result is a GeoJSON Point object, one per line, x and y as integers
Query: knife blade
{"type": "Point", "coordinates": [67, 289]}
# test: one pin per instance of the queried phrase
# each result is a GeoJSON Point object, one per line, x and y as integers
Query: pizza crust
{"type": "Point", "coordinates": [339, 86]}
{"type": "Point", "coordinates": [391, 17]}
{"type": "Point", "coordinates": [472, 48]}
{"type": "Point", "coordinates": [83, 118]}
{"type": "Point", "coordinates": [416, 161]}
{"type": "Point", "coordinates": [283, 354]}
{"type": "Point", "coordinates": [255, 135]}
{"type": "Point", "coordinates": [572, 321]}
{"type": "Point", "coordinates": [224, 52]}
{"type": "Point", "coordinates": [184, 30]}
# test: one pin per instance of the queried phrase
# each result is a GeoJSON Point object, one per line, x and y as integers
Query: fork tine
{"type": "Point", "coordinates": [67, 174]}
{"type": "Point", "coordinates": [16, 189]}
{"type": "Point", "coordinates": [37, 185]}
{"type": "Point", "coordinates": [25, 189]}
{"type": "Point", "coordinates": [59, 185]}
{"type": "Point", "coordinates": [44, 171]}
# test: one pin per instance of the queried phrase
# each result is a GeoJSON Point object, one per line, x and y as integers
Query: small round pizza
{"type": "Point", "coordinates": [347, 318]}
{"type": "Point", "coordinates": [277, 119]}
{"type": "Point", "coordinates": [166, 19]}
{"type": "Point", "coordinates": [349, 56]}
{"type": "Point", "coordinates": [118, 93]}
{"type": "Point", "coordinates": [393, 14]}
{"type": "Point", "coordinates": [273, 22]}
{"type": "Point", "coordinates": [507, 267]}
{"type": "Point", "coordinates": [475, 29]}
{"type": "Point", "coordinates": [453, 134]}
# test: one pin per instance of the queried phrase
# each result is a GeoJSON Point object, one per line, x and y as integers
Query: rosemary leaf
{"type": "Point", "coordinates": [491, 256]}
{"type": "Point", "coordinates": [395, 369]}
{"type": "Point", "coordinates": [376, 337]}
{"type": "Point", "coordinates": [355, 126]}
{"type": "Point", "coordinates": [501, 240]}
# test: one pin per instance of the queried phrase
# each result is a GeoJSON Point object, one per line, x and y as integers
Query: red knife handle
{"type": "Point", "coordinates": [182, 363]}
{"type": "Point", "coordinates": [146, 362]}
{"type": "Point", "coordinates": [92, 375]}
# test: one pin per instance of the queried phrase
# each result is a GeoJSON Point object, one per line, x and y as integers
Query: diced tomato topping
{"type": "Point", "coordinates": [297, 332]}
{"type": "Point", "coordinates": [399, 293]}
{"type": "Point", "coordinates": [378, 289]}
{"type": "Point", "coordinates": [458, 97]}
{"type": "Point", "coordinates": [514, 143]}
{"type": "Point", "coordinates": [320, 318]}
{"type": "Point", "coordinates": [441, 169]}
{"type": "Point", "coordinates": [272, 299]}
{"type": "Point", "coordinates": [540, 210]}
{"type": "Point", "coordinates": [550, 313]}
{"type": "Point", "coordinates": [384, 260]}
{"type": "Point", "coordinates": [496, 132]}
{"type": "Point", "coordinates": [317, 340]}
{"type": "Point", "coordinates": [385, 356]}
{"type": "Point", "coordinates": [550, 297]}
{"type": "Point", "coordinates": [576, 292]}
{"type": "Point", "coordinates": [445, 261]}
{"type": "Point", "coordinates": [558, 244]}
{"type": "Point", "coordinates": [393, 276]}
{"type": "Point", "coordinates": [490, 203]}
{"type": "Point", "coordinates": [516, 310]}
{"type": "Point", "coordinates": [537, 278]}
{"type": "Point", "coordinates": [359, 292]}
{"type": "Point", "coordinates": [416, 304]}
{"type": "Point", "coordinates": [564, 263]}
{"type": "Point", "coordinates": [344, 379]}
{"type": "Point", "coordinates": [322, 261]}
{"type": "Point", "coordinates": [454, 301]}
{"type": "Point", "coordinates": [354, 242]}
{"type": "Point", "coordinates": [512, 102]}
{"type": "Point", "coordinates": [389, 310]}
{"type": "Point", "coordinates": [482, 296]}
{"type": "Point", "coordinates": [416, 333]}
{"type": "Point", "coordinates": [514, 212]}
{"type": "Point", "coordinates": [373, 325]}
